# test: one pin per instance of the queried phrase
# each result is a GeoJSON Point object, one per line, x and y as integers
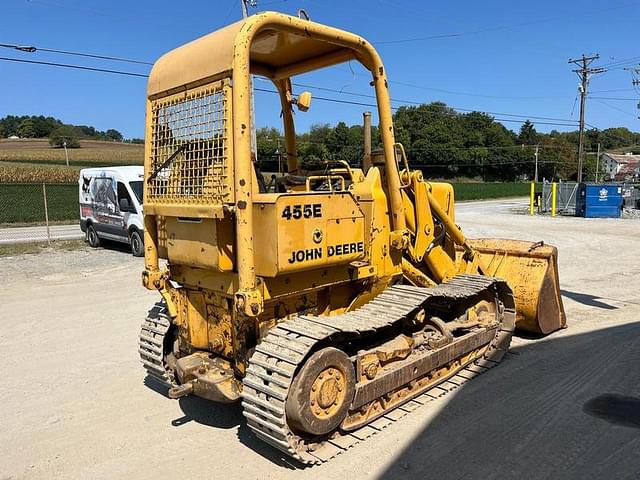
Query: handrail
{"type": "Point", "coordinates": [329, 178]}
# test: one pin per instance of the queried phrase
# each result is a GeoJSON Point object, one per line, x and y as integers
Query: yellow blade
{"type": "Point", "coordinates": [531, 270]}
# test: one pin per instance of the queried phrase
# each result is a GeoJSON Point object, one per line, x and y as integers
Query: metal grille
{"type": "Point", "coordinates": [189, 150]}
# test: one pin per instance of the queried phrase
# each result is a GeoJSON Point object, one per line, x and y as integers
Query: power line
{"type": "Point", "coordinates": [614, 98]}
{"type": "Point", "coordinates": [468, 94]}
{"type": "Point", "coordinates": [32, 49]}
{"type": "Point", "coordinates": [616, 108]}
{"type": "Point", "coordinates": [448, 147]}
{"type": "Point", "coordinates": [621, 62]}
{"type": "Point", "coordinates": [119, 72]}
{"type": "Point", "coordinates": [79, 67]}
{"type": "Point", "coordinates": [615, 90]}
{"type": "Point", "coordinates": [233, 6]}
{"type": "Point", "coordinates": [609, 134]}
{"type": "Point", "coordinates": [454, 92]}
{"type": "Point", "coordinates": [499, 27]}
{"type": "Point", "coordinates": [373, 105]}
{"type": "Point", "coordinates": [409, 102]}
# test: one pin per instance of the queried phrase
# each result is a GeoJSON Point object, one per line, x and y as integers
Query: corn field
{"type": "Point", "coordinates": [37, 174]}
{"type": "Point", "coordinates": [91, 153]}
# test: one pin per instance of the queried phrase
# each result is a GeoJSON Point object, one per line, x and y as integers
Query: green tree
{"type": "Point", "coordinates": [557, 158]}
{"type": "Point", "coordinates": [65, 133]}
{"type": "Point", "coordinates": [114, 135]}
{"type": "Point", "coordinates": [267, 141]}
{"type": "Point", "coordinates": [528, 134]}
{"type": "Point", "coordinates": [339, 142]}
{"type": "Point", "coordinates": [26, 129]}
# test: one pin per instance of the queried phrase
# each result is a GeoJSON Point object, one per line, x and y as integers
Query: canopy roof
{"type": "Point", "coordinates": [280, 46]}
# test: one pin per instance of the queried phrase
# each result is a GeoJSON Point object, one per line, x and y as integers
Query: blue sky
{"type": "Point", "coordinates": [509, 57]}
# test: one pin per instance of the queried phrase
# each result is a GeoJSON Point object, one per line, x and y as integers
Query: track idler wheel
{"type": "Point", "coordinates": [321, 392]}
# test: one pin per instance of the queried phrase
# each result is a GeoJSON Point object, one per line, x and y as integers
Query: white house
{"type": "Point", "coordinates": [621, 167]}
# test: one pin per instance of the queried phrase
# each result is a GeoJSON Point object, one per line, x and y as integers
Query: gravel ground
{"type": "Point", "coordinates": [76, 404]}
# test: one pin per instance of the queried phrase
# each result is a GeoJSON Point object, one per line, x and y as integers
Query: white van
{"type": "Point", "coordinates": [111, 205]}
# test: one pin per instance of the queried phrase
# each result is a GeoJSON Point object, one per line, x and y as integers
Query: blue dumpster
{"type": "Point", "coordinates": [599, 200]}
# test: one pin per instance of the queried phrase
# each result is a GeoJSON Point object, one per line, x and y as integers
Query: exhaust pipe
{"type": "Point", "coordinates": [366, 159]}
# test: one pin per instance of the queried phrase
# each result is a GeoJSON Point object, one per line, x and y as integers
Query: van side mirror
{"type": "Point", "coordinates": [124, 205]}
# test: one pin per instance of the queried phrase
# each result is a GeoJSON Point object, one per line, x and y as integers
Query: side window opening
{"type": "Point", "coordinates": [123, 193]}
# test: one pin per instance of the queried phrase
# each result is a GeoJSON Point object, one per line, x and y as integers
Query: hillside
{"type": "Point", "coordinates": [34, 160]}
{"type": "Point", "coordinates": [90, 153]}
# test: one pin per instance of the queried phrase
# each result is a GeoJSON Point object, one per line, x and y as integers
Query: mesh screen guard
{"type": "Point", "coordinates": [189, 161]}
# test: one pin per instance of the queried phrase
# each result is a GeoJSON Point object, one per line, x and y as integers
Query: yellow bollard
{"type": "Point", "coordinates": [533, 189]}
{"type": "Point", "coordinates": [554, 187]}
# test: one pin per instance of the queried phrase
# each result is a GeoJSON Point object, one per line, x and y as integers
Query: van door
{"type": "Point", "coordinates": [108, 219]}
{"type": "Point", "coordinates": [126, 207]}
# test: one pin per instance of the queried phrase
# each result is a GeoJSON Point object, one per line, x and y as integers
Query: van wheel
{"type": "Point", "coordinates": [137, 247]}
{"type": "Point", "coordinates": [92, 237]}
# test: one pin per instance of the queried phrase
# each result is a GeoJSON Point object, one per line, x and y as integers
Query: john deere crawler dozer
{"type": "Point", "coordinates": [329, 303]}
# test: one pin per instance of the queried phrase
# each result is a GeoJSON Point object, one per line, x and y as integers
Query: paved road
{"type": "Point", "coordinates": [495, 206]}
{"type": "Point", "coordinates": [72, 231]}
{"type": "Point", "coordinates": [39, 234]}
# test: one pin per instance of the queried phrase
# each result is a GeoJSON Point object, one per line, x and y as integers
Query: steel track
{"type": "Point", "coordinates": [280, 353]}
{"type": "Point", "coordinates": [151, 344]}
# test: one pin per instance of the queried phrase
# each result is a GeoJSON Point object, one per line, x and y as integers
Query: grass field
{"type": "Point", "coordinates": [23, 203]}
{"type": "Point", "coordinates": [478, 191]}
{"type": "Point", "coordinates": [39, 247]}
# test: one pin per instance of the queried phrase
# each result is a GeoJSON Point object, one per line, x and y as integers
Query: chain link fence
{"type": "Point", "coordinates": [631, 195]}
{"type": "Point", "coordinates": [567, 192]}
{"type": "Point", "coordinates": [32, 212]}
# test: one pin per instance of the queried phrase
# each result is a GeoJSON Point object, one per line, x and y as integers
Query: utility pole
{"type": "Point", "coordinates": [583, 72]}
{"type": "Point", "coordinates": [535, 177]}
{"type": "Point", "coordinates": [245, 6]}
{"type": "Point", "coordinates": [635, 81]}
{"type": "Point", "coordinates": [66, 154]}
{"type": "Point", "coordinates": [597, 162]}
{"type": "Point", "coordinates": [254, 141]}
{"type": "Point", "coordinates": [279, 154]}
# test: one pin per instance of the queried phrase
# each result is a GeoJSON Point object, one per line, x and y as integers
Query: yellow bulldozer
{"type": "Point", "coordinates": [328, 303]}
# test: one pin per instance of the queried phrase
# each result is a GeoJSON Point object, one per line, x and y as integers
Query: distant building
{"type": "Point", "coordinates": [621, 167]}
{"type": "Point", "coordinates": [14, 137]}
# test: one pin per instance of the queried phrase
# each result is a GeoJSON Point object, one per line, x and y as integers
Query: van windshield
{"type": "Point", "coordinates": [137, 189]}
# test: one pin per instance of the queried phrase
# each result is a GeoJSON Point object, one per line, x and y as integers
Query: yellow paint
{"type": "Point", "coordinates": [531, 270]}
{"type": "Point", "coordinates": [531, 198]}
{"type": "Point", "coordinates": [554, 188]}
{"type": "Point", "coordinates": [238, 259]}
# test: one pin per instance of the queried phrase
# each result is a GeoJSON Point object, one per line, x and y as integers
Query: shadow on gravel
{"type": "Point", "coordinates": [205, 412]}
{"type": "Point", "coordinates": [546, 412]}
{"type": "Point", "coordinates": [220, 415]}
{"type": "Point", "coordinates": [153, 384]}
{"type": "Point", "coordinates": [588, 300]}
{"type": "Point", "coordinates": [615, 409]}
{"type": "Point", "coordinates": [248, 438]}
{"type": "Point", "coordinates": [114, 246]}
{"type": "Point", "coordinates": [196, 409]}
